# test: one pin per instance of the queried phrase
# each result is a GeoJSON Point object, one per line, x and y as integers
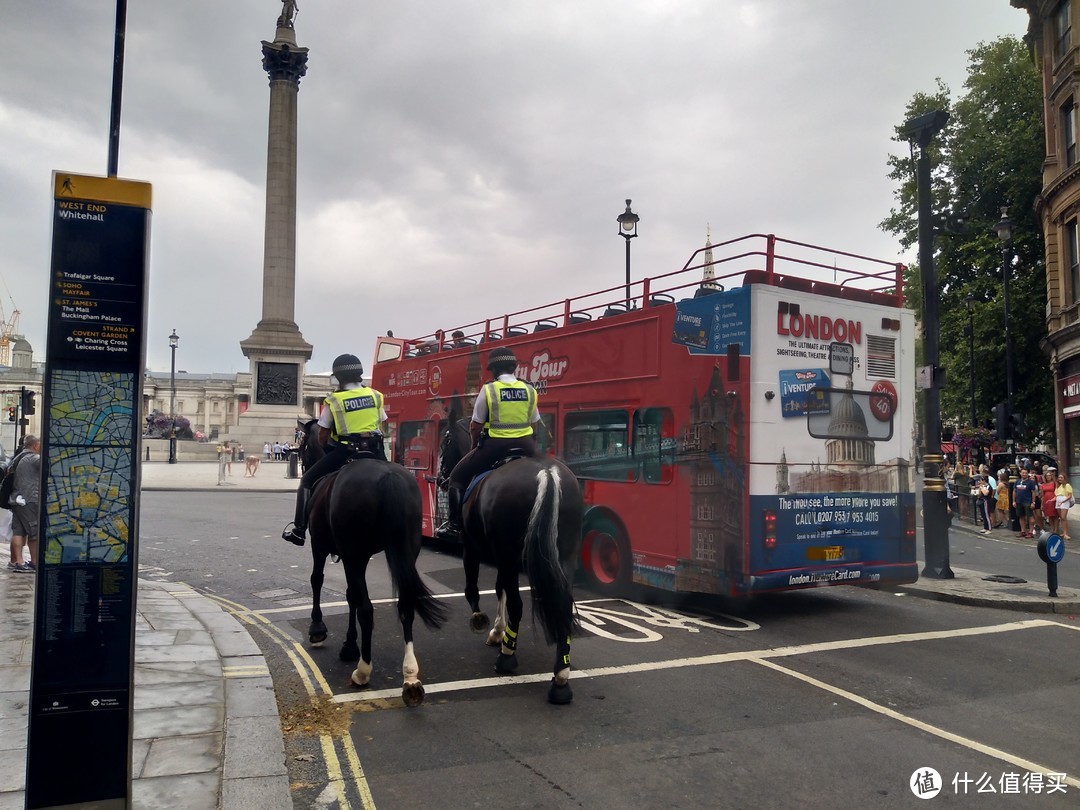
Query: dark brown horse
{"type": "Point", "coordinates": [527, 510]}
{"type": "Point", "coordinates": [368, 506]}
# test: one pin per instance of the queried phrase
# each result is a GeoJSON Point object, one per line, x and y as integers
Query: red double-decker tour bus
{"type": "Point", "coordinates": [740, 425]}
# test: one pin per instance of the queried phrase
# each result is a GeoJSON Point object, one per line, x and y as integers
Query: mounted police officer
{"type": "Point", "coordinates": [503, 420]}
{"type": "Point", "coordinates": [351, 419]}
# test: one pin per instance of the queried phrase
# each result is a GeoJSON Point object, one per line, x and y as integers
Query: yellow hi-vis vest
{"type": "Point", "coordinates": [511, 407]}
{"type": "Point", "coordinates": [358, 410]}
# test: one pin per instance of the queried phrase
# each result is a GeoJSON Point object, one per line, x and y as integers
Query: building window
{"type": "Point", "coordinates": [1072, 255]}
{"type": "Point", "coordinates": [1063, 28]}
{"type": "Point", "coordinates": [1068, 132]}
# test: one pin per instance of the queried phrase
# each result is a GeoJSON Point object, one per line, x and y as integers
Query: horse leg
{"type": "Point", "coordinates": [361, 676]}
{"type": "Point", "coordinates": [355, 588]}
{"type": "Point", "coordinates": [412, 691]}
{"type": "Point", "coordinates": [317, 629]}
{"type": "Point", "coordinates": [470, 558]}
{"type": "Point", "coordinates": [560, 692]}
{"type": "Point", "coordinates": [494, 637]}
{"type": "Point", "coordinates": [507, 662]}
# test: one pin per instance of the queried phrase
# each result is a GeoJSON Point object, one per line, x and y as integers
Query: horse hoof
{"type": "Point", "coordinates": [506, 664]}
{"type": "Point", "coordinates": [316, 633]}
{"type": "Point", "coordinates": [316, 641]}
{"type": "Point", "coordinates": [349, 653]}
{"type": "Point", "coordinates": [479, 622]}
{"type": "Point", "coordinates": [357, 684]}
{"type": "Point", "coordinates": [412, 694]}
{"type": "Point", "coordinates": [560, 693]}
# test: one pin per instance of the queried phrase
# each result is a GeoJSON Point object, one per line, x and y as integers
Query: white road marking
{"type": "Point", "coordinates": [707, 660]}
{"type": "Point", "coordinates": [974, 745]}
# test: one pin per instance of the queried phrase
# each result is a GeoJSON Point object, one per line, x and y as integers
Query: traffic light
{"type": "Point", "coordinates": [11, 414]}
{"type": "Point", "coordinates": [1001, 421]}
{"type": "Point", "coordinates": [1017, 425]}
{"type": "Point", "coordinates": [29, 405]}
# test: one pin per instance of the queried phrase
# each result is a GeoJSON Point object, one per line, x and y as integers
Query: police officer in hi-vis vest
{"type": "Point", "coordinates": [502, 420]}
{"type": "Point", "coordinates": [350, 414]}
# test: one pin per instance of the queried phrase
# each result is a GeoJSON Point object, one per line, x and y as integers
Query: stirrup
{"type": "Point", "coordinates": [448, 531]}
{"type": "Point", "coordinates": [293, 536]}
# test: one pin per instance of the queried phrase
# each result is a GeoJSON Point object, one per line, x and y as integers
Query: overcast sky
{"type": "Point", "coordinates": [463, 158]}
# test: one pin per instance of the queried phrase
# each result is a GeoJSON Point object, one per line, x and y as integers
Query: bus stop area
{"type": "Point", "coordinates": [206, 721]}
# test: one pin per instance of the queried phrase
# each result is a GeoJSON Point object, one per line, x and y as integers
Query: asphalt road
{"type": "Point", "coordinates": [837, 697]}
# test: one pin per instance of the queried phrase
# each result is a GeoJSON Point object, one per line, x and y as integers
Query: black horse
{"type": "Point", "coordinates": [528, 509]}
{"type": "Point", "coordinates": [368, 506]}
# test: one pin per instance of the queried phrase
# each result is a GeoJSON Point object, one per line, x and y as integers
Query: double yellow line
{"type": "Point", "coordinates": [316, 686]}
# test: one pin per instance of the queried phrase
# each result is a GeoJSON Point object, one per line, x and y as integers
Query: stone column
{"type": "Point", "coordinates": [276, 349]}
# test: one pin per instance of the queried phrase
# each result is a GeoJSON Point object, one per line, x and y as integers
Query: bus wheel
{"type": "Point", "coordinates": [605, 559]}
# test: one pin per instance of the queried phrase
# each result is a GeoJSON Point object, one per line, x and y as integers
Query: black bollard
{"type": "Point", "coordinates": [1051, 550]}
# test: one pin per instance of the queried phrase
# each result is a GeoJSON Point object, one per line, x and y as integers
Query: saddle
{"type": "Point", "coordinates": [513, 455]}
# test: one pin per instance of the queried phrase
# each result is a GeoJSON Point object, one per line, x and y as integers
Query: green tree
{"type": "Point", "coordinates": [989, 156]}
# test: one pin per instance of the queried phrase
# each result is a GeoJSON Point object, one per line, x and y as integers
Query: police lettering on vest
{"type": "Point", "coordinates": [356, 403]}
{"type": "Point", "coordinates": [358, 410]}
{"type": "Point", "coordinates": [511, 407]}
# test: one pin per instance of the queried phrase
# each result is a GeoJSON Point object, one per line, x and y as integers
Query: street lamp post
{"type": "Point", "coordinates": [969, 302]}
{"type": "Point", "coordinates": [1004, 230]}
{"type": "Point", "coordinates": [174, 341]}
{"type": "Point", "coordinates": [921, 131]}
{"type": "Point", "coordinates": [628, 221]}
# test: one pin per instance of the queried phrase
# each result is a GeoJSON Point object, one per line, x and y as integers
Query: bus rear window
{"type": "Point", "coordinates": [597, 445]}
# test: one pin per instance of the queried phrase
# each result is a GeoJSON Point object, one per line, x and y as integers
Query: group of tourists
{"type": "Point", "coordinates": [1039, 498]}
{"type": "Point", "coordinates": [503, 420]}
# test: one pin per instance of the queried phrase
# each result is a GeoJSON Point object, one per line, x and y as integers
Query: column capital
{"type": "Point", "coordinates": [284, 62]}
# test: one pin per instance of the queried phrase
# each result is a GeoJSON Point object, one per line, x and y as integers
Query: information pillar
{"type": "Point", "coordinates": [81, 686]}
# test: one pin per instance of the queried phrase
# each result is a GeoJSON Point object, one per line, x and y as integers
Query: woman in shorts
{"type": "Point", "coordinates": [1049, 502]}
{"type": "Point", "coordinates": [1063, 495]}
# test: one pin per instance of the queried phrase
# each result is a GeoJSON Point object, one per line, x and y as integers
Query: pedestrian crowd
{"type": "Point", "coordinates": [279, 451]}
{"type": "Point", "coordinates": [1040, 498]}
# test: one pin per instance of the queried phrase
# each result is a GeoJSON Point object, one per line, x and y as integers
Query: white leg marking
{"type": "Point", "coordinates": [362, 674]}
{"type": "Point", "coordinates": [496, 633]}
{"type": "Point", "coordinates": [410, 669]}
{"type": "Point", "coordinates": [562, 676]}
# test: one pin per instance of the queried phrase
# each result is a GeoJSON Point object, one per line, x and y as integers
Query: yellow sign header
{"type": "Point", "coordinates": [68, 186]}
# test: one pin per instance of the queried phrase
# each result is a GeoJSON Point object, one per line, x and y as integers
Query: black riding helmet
{"type": "Point", "coordinates": [502, 361]}
{"type": "Point", "coordinates": [348, 368]}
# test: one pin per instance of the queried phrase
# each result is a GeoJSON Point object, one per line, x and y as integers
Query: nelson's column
{"type": "Point", "coordinates": [276, 349]}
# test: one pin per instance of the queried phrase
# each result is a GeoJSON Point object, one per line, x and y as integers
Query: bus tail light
{"type": "Point", "coordinates": [907, 544]}
{"type": "Point", "coordinates": [770, 529]}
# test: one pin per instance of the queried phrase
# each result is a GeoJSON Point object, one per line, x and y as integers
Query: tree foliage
{"type": "Point", "coordinates": [989, 156]}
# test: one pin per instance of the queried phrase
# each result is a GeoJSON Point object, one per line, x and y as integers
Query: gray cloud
{"type": "Point", "coordinates": [459, 160]}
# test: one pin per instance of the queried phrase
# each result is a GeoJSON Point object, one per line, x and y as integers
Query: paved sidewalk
{"type": "Point", "coordinates": [208, 476]}
{"type": "Point", "coordinates": [207, 731]}
{"type": "Point", "coordinates": [973, 588]}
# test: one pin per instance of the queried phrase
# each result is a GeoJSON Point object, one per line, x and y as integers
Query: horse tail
{"type": "Point", "coordinates": [552, 593]}
{"type": "Point", "coordinates": [402, 526]}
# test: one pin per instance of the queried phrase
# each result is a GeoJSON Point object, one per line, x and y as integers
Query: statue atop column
{"type": "Point", "coordinates": [288, 12]}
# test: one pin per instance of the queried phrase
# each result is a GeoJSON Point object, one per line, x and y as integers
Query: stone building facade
{"type": "Point", "coordinates": [1054, 37]}
{"type": "Point", "coordinates": [213, 402]}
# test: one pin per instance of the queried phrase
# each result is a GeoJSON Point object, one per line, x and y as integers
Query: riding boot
{"type": "Point", "coordinates": [296, 534]}
{"type": "Point", "coordinates": [451, 530]}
